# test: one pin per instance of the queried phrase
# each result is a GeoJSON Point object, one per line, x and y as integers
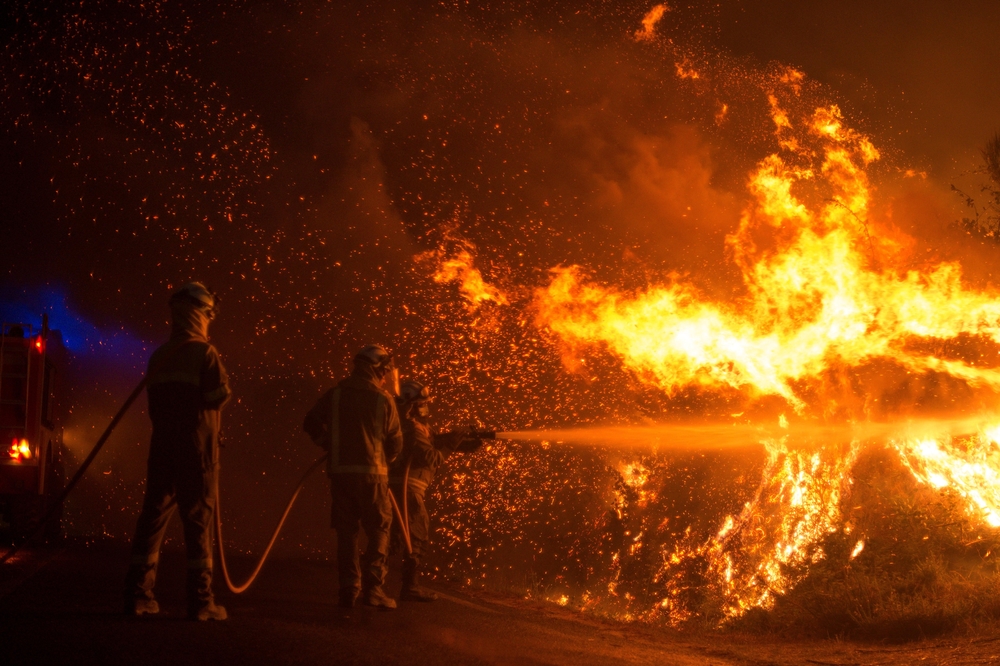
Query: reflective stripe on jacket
{"type": "Point", "coordinates": [357, 423]}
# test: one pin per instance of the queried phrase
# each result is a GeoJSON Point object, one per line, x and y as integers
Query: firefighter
{"type": "Point", "coordinates": [187, 388]}
{"type": "Point", "coordinates": [423, 452]}
{"type": "Point", "coordinates": [357, 423]}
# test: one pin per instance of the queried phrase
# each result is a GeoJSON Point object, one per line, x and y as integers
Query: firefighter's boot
{"type": "Point", "coordinates": [201, 603]}
{"type": "Point", "coordinates": [412, 591]}
{"type": "Point", "coordinates": [377, 598]}
{"type": "Point", "coordinates": [139, 583]}
{"type": "Point", "coordinates": [140, 607]}
{"type": "Point", "coordinates": [208, 611]}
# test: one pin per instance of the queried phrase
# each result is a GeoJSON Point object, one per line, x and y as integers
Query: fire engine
{"type": "Point", "coordinates": [31, 449]}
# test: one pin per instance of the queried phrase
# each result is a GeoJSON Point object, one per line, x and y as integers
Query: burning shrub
{"type": "Point", "coordinates": [927, 566]}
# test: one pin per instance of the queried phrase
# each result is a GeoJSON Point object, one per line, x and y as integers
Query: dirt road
{"type": "Point", "coordinates": [60, 606]}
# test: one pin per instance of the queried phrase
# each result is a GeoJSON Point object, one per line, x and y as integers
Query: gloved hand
{"type": "Point", "coordinates": [470, 445]}
{"type": "Point", "coordinates": [452, 440]}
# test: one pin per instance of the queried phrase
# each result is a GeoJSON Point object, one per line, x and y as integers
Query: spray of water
{"type": "Point", "coordinates": [714, 436]}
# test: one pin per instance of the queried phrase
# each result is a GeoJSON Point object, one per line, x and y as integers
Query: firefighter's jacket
{"type": "Point", "coordinates": [187, 387]}
{"type": "Point", "coordinates": [357, 423]}
{"type": "Point", "coordinates": [424, 451]}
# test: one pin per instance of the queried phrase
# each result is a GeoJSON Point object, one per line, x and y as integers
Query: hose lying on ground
{"type": "Point", "coordinates": [239, 589]}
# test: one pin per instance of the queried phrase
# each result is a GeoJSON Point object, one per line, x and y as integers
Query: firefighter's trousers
{"type": "Point", "coordinates": [420, 533]}
{"type": "Point", "coordinates": [170, 486]}
{"type": "Point", "coordinates": [361, 502]}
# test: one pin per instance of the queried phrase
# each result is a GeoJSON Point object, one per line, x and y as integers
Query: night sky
{"type": "Point", "coordinates": [297, 156]}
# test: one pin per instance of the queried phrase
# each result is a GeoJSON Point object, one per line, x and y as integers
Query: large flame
{"type": "Point", "coordinates": [820, 297]}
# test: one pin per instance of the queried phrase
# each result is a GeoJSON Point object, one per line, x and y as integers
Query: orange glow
{"type": "Point", "coordinates": [793, 78]}
{"type": "Point", "coordinates": [38, 343]}
{"type": "Point", "coordinates": [720, 115]}
{"type": "Point", "coordinates": [815, 302]}
{"type": "Point", "coordinates": [686, 70]}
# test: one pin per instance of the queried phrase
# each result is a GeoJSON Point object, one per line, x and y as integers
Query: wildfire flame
{"type": "Point", "coordinates": [814, 302]}
{"type": "Point", "coordinates": [459, 267]}
{"type": "Point", "coordinates": [826, 290]}
{"type": "Point", "coordinates": [796, 505]}
{"type": "Point", "coordinates": [969, 466]}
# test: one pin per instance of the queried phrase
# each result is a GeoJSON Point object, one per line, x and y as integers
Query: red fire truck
{"type": "Point", "coordinates": [31, 450]}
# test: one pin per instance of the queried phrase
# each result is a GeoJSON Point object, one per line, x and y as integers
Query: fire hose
{"type": "Point", "coordinates": [240, 589]}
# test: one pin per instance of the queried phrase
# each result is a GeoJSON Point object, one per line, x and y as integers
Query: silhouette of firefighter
{"type": "Point", "coordinates": [423, 452]}
{"type": "Point", "coordinates": [357, 423]}
{"type": "Point", "coordinates": [187, 388]}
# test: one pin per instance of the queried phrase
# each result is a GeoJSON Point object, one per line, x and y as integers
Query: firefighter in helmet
{"type": "Point", "coordinates": [423, 452]}
{"type": "Point", "coordinates": [187, 387]}
{"type": "Point", "coordinates": [357, 423]}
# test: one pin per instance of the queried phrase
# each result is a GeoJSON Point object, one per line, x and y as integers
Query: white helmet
{"type": "Point", "coordinates": [414, 396]}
